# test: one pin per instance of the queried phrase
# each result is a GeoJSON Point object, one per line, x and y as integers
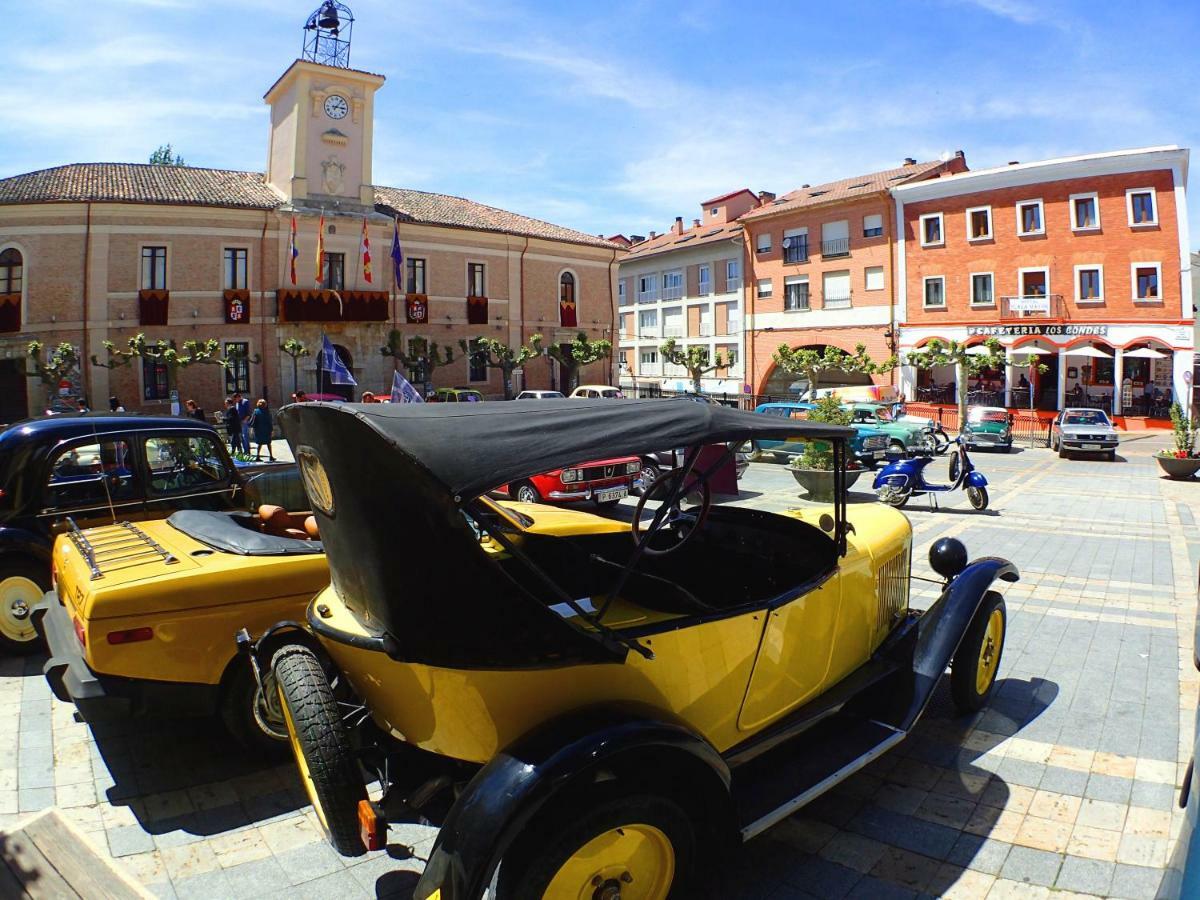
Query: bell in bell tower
{"type": "Point", "coordinates": [327, 35]}
{"type": "Point", "coordinates": [321, 118]}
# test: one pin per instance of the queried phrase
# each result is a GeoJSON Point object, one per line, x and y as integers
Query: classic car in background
{"type": "Point", "coordinates": [102, 468]}
{"type": "Point", "coordinates": [525, 688]}
{"type": "Point", "coordinates": [456, 395]}
{"type": "Point", "coordinates": [606, 481]}
{"type": "Point", "coordinates": [540, 395]}
{"type": "Point", "coordinates": [903, 436]}
{"type": "Point", "coordinates": [988, 428]}
{"type": "Point", "coordinates": [1081, 430]}
{"type": "Point", "coordinates": [597, 392]}
{"type": "Point", "coordinates": [869, 445]}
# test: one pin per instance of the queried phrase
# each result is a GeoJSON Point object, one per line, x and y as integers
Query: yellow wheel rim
{"type": "Point", "coordinates": [301, 763]}
{"type": "Point", "coordinates": [18, 597]}
{"type": "Point", "coordinates": [989, 652]}
{"type": "Point", "coordinates": [633, 862]}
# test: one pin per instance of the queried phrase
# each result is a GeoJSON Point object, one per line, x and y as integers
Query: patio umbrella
{"type": "Point", "coordinates": [1091, 352]}
{"type": "Point", "coordinates": [1144, 353]}
{"type": "Point", "coordinates": [978, 350]}
{"type": "Point", "coordinates": [1029, 351]}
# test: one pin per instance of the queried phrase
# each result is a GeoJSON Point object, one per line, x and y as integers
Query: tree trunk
{"type": "Point", "coordinates": [960, 372]}
{"type": "Point", "coordinates": [506, 372]}
{"type": "Point", "coordinates": [295, 375]}
{"type": "Point", "coordinates": [696, 376]}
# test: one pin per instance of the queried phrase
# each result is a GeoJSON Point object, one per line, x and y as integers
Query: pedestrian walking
{"type": "Point", "coordinates": [233, 425]}
{"type": "Point", "coordinates": [194, 411]}
{"type": "Point", "coordinates": [261, 425]}
{"type": "Point", "coordinates": [114, 405]}
{"type": "Point", "coordinates": [243, 410]}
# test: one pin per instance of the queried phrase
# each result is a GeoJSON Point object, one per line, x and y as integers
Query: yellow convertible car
{"type": "Point", "coordinates": [589, 713]}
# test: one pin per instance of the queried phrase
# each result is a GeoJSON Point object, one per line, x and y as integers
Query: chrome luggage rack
{"type": "Point", "coordinates": [118, 543]}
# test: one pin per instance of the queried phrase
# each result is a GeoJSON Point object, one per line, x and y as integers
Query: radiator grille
{"type": "Point", "coordinates": [893, 589]}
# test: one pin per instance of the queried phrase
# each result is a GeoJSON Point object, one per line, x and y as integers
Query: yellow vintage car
{"type": "Point", "coordinates": [141, 615]}
{"type": "Point", "coordinates": [590, 712]}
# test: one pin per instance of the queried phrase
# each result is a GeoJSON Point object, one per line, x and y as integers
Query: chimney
{"type": "Point", "coordinates": [803, 186]}
{"type": "Point", "coordinates": [765, 197]}
{"type": "Point", "coordinates": [677, 228]}
{"type": "Point", "coordinates": [958, 154]}
{"type": "Point", "coordinates": [653, 235]}
{"type": "Point", "coordinates": [695, 223]}
{"type": "Point", "coordinates": [909, 161]}
{"type": "Point", "coordinates": [1014, 162]}
{"type": "Point", "coordinates": [636, 238]}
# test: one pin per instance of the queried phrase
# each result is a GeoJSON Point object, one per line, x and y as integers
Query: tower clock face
{"type": "Point", "coordinates": [336, 106]}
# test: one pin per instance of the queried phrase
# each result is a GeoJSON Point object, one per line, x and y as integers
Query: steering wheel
{"type": "Point", "coordinates": [682, 520]}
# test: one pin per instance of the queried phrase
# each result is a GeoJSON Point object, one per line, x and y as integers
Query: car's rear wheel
{"type": "Point", "coordinates": [973, 672]}
{"type": "Point", "coordinates": [527, 493]}
{"type": "Point", "coordinates": [328, 769]}
{"type": "Point", "coordinates": [252, 716]}
{"type": "Point", "coordinates": [22, 584]}
{"type": "Point", "coordinates": [978, 497]}
{"type": "Point", "coordinates": [633, 847]}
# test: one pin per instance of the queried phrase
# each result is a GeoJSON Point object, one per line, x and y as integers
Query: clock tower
{"type": "Point", "coordinates": [321, 118]}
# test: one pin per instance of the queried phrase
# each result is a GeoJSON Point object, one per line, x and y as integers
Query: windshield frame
{"type": "Point", "coordinates": [1090, 417]}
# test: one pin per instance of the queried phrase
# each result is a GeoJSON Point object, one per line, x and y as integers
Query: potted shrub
{"type": "Point", "coordinates": [1182, 461]}
{"type": "Point", "coordinates": [813, 469]}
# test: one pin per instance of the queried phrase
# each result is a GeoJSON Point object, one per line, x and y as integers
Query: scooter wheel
{"type": "Point", "coordinates": [978, 497]}
{"type": "Point", "coordinates": [894, 497]}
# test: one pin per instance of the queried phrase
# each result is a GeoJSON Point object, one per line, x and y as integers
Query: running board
{"type": "Point", "coordinates": [779, 782]}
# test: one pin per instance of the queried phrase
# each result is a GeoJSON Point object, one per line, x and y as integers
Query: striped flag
{"type": "Point", "coordinates": [320, 279]}
{"type": "Point", "coordinates": [397, 258]}
{"type": "Point", "coordinates": [332, 364]}
{"type": "Point", "coordinates": [293, 250]}
{"type": "Point", "coordinates": [403, 391]}
{"type": "Point", "coordinates": [366, 252]}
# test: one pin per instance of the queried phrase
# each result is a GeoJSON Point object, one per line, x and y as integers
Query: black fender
{"type": "Point", "coordinates": [20, 543]}
{"type": "Point", "coordinates": [505, 795]}
{"type": "Point", "coordinates": [940, 630]}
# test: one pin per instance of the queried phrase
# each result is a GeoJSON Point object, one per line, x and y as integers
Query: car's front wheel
{"type": "Point", "coordinates": [22, 584]}
{"type": "Point", "coordinates": [650, 474]}
{"type": "Point", "coordinates": [328, 768]}
{"type": "Point", "coordinates": [640, 845]}
{"type": "Point", "coordinates": [973, 672]}
{"type": "Point", "coordinates": [527, 493]}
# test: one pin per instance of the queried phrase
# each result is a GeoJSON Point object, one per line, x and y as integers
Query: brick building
{"type": "Point", "coordinates": [820, 269]}
{"type": "Point", "coordinates": [1085, 258]}
{"type": "Point", "coordinates": [102, 251]}
{"type": "Point", "coordinates": [686, 284]}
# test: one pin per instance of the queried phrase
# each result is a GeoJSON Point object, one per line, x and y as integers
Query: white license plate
{"type": "Point", "coordinates": [613, 494]}
{"type": "Point", "coordinates": [880, 454]}
{"type": "Point", "coordinates": [1093, 447]}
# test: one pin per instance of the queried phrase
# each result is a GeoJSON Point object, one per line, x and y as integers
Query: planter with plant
{"type": "Point", "coordinates": [1181, 461]}
{"type": "Point", "coordinates": [813, 469]}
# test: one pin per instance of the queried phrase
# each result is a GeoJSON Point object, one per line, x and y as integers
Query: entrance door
{"type": "Point", "coordinates": [14, 402]}
{"type": "Point", "coordinates": [1047, 382]}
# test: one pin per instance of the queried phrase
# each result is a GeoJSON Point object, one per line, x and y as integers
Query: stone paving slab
{"type": "Point", "coordinates": [1064, 786]}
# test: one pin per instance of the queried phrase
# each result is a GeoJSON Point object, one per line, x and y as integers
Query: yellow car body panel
{"type": "Point", "coordinates": [195, 604]}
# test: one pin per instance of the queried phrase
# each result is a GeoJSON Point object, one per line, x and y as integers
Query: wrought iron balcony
{"type": "Point", "coordinates": [836, 301]}
{"type": "Point", "coordinates": [835, 248]}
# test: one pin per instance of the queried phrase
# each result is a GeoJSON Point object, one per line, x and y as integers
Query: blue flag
{"type": "Point", "coordinates": [403, 391]}
{"type": "Point", "coordinates": [332, 364]}
{"type": "Point", "coordinates": [397, 259]}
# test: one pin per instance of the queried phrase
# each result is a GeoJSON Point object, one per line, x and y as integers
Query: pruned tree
{"type": "Point", "coordinates": [498, 355]}
{"type": "Point", "coordinates": [966, 361]}
{"type": "Point", "coordinates": [171, 357]}
{"type": "Point", "coordinates": [166, 156]}
{"type": "Point", "coordinates": [575, 355]}
{"type": "Point", "coordinates": [295, 348]}
{"type": "Point", "coordinates": [694, 359]}
{"type": "Point", "coordinates": [60, 364]}
{"type": "Point", "coordinates": [810, 363]}
{"type": "Point", "coordinates": [423, 356]}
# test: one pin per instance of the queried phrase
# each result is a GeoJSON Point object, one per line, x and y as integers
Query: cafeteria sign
{"type": "Point", "coordinates": [1047, 330]}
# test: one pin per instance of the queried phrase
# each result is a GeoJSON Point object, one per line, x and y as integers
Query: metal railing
{"type": "Point", "coordinates": [704, 289]}
{"type": "Point", "coordinates": [647, 296]}
{"type": "Point", "coordinates": [796, 251]}
{"type": "Point", "coordinates": [733, 284]}
{"type": "Point", "coordinates": [672, 293]}
{"type": "Point", "coordinates": [836, 301]}
{"type": "Point", "coordinates": [706, 329]}
{"type": "Point", "coordinates": [835, 248]}
{"type": "Point", "coordinates": [673, 331]}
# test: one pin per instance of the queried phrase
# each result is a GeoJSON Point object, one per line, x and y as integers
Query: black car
{"type": "Point", "coordinates": [92, 469]}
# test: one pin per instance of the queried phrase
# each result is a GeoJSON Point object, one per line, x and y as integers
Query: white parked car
{"type": "Point", "coordinates": [541, 395]}
{"type": "Point", "coordinates": [1078, 430]}
{"type": "Point", "coordinates": [597, 391]}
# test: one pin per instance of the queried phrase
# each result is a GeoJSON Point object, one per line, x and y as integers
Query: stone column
{"type": "Point", "coordinates": [1009, 377]}
{"type": "Point", "coordinates": [1062, 378]}
{"type": "Point", "coordinates": [1118, 377]}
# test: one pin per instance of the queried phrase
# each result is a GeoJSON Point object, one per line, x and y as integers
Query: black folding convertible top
{"type": "Point", "coordinates": [471, 448]}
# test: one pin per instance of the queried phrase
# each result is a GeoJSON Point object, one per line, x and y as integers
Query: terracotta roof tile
{"type": "Point", "coordinates": [192, 186]}
{"type": "Point", "coordinates": [845, 189]}
{"type": "Point", "coordinates": [727, 196]}
{"type": "Point", "coordinates": [693, 237]}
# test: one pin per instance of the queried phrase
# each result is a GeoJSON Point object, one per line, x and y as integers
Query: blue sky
{"type": "Point", "coordinates": [617, 116]}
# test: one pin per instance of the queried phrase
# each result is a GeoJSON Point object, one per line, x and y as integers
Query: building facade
{"type": "Point", "coordinates": [102, 252]}
{"type": "Point", "coordinates": [1085, 259]}
{"type": "Point", "coordinates": [686, 284]}
{"type": "Point", "coordinates": [820, 264]}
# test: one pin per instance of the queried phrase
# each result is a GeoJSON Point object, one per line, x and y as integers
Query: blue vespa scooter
{"type": "Point", "coordinates": [901, 479]}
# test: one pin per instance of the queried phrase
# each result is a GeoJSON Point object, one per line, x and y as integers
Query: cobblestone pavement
{"type": "Point", "coordinates": [1064, 785]}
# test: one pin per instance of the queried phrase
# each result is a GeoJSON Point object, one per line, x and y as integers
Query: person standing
{"type": "Point", "coordinates": [114, 405]}
{"type": "Point", "coordinates": [194, 411]}
{"type": "Point", "coordinates": [243, 410]}
{"type": "Point", "coordinates": [233, 425]}
{"type": "Point", "coordinates": [261, 425]}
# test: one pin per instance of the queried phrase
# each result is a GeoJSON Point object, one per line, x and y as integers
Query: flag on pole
{"type": "Point", "coordinates": [332, 364]}
{"type": "Point", "coordinates": [397, 258]}
{"type": "Point", "coordinates": [293, 250]}
{"type": "Point", "coordinates": [320, 279]}
{"type": "Point", "coordinates": [366, 252]}
{"type": "Point", "coordinates": [403, 391]}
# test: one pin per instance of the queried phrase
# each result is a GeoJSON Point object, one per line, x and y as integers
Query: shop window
{"type": "Point", "coordinates": [1141, 203]}
{"type": "Point", "coordinates": [1085, 212]}
{"type": "Point", "coordinates": [931, 230]}
{"type": "Point", "coordinates": [1029, 218]}
{"type": "Point", "coordinates": [1146, 281]}
{"type": "Point", "coordinates": [567, 312]}
{"type": "Point", "coordinates": [979, 223]}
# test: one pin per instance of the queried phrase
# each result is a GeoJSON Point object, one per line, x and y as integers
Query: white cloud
{"type": "Point", "coordinates": [1018, 11]}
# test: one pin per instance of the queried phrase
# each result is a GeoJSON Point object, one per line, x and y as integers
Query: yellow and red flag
{"type": "Point", "coordinates": [366, 252]}
{"type": "Point", "coordinates": [320, 279]}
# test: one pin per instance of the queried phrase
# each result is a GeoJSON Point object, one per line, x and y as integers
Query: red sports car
{"type": "Point", "coordinates": [604, 480]}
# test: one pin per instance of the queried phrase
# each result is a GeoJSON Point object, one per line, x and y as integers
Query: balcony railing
{"type": "Point", "coordinates": [835, 248]}
{"type": "Point", "coordinates": [705, 289]}
{"type": "Point", "coordinates": [647, 296]}
{"type": "Point", "coordinates": [836, 301]}
{"type": "Point", "coordinates": [734, 325]}
{"type": "Point", "coordinates": [648, 331]}
{"type": "Point", "coordinates": [733, 284]}
{"type": "Point", "coordinates": [796, 251]}
{"type": "Point", "coordinates": [1031, 306]}
{"type": "Point", "coordinates": [672, 293]}
{"type": "Point", "coordinates": [706, 329]}
{"type": "Point", "coordinates": [673, 331]}
{"type": "Point", "coordinates": [650, 368]}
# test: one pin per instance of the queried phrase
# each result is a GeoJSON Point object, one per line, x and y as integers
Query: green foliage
{"type": "Point", "coordinates": [811, 363]}
{"type": "Point", "coordinates": [62, 362]}
{"type": "Point", "coordinates": [819, 454]}
{"type": "Point", "coordinates": [295, 348]}
{"type": "Point", "coordinates": [694, 359]}
{"type": "Point", "coordinates": [166, 156]}
{"type": "Point", "coordinates": [1182, 431]}
{"type": "Point", "coordinates": [498, 355]}
{"type": "Point", "coordinates": [579, 353]}
{"type": "Point", "coordinates": [193, 353]}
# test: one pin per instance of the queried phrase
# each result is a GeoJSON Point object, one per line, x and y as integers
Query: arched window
{"type": "Point", "coordinates": [12, 277]}
{"type": "Point", "coordinates": [567, 313]}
